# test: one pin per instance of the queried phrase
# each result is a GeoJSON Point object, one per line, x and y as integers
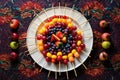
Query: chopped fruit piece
{"type": "Point", "coordinates": [70, 54]}
{"type": "Point", "coordinates": [71, 59]}
{"type": "Point", "coordinates": [74, 27]}
{"type": "Point", "coordinates": [51, 23]}
{"type": "Point", "coordinates": [82, 46]}
{"type": "Point", "coordinates": [77, 55]}
{"type": "Point", "coordinates": [59, 34]}
{"type": "Point", "coordinates": [41, 31]}
{"type": "Point", "coordinates": [53, 61]}
{"type": "Point", "coordinates": [47, 59]}
{"type": "Point", "coordinates": [79, 49]}
{"type": "Point", "coordinates": [46, 46]}
{"type": "Point", "coordinates": [40, 43]}
{"type": "Point", "coordinates": [73, 45]}
{"type": "Point", "coordinates": [70, 25]}
{"type": "Point", "coordinates": [59, 20]}
{"type": "Point", "coordinates": [55, 20]}
{"type": "Point", "coordinates": [74, 51]}
{"type": "Point", "coordinates": [41, 48]}
{"type": "Point", "coordinates": [57, 43]}
{"type": "Point", "coordinates": [39, 36]}
{"type": "Point", "coordinates": [52, 38]}
{"type": "Point", "coordinates": [69, 21]}
{"type": "Point", "coordinates": [44, 53]}
{"type": "Point", "coordinates": [64, 39]}
{"type": "Point", "coordinates": [64, 57]}
{"type": "Point", "coordinates": [79, 37]}
{"type": "Point", "coordinates": [49, 54]}
{"type": "Point", "coordinates": [46, 25]}
{"type": "Point", "coordinates": [65, 61]}
{"type": "Point", "coordinates": [54, 56]}
{"type": "Point", "coordinates": [55, 37]}
{"type": "Point", "coordinates": [78, 43]}
{"type": "Point", "coordinates": [103, 23]}
{"type": "Point", "coordinates": [79, 32]}
{"type": "Point", "coordinates": [59, 54]}
{"type": "Point", "coordinates": [59, 58]}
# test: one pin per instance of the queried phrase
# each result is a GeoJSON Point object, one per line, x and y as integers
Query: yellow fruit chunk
{"type": "Point", "coordinates": [41, 31]}
{"type": "Point", "coordinates": [40, 42]}
{"type": "Point", "coordinates": [59, 20]}
{"type": "Point", "coordinates": [79, 32]}
{"type": "Point", "coordinates": [46, 25]}
{"type": "Point", "coordinates": [70, 25]}
{"type": "Point", "coordinates": [74, 51]}
{"type": "Point", "coordinates": [59, 53]}
{"type": "Point", "coordinates": [54, 20]}
{"type": "Point", "coordinates": [77, 55]}
{"type": "Point", "coordinates": [41, 48]}
{"type": "Point", "coordinates": [64, 57]}
{"type": "Point", "coordinates": [64, 39]}
{"type": "Point", "coordinates": [49, 54]}
{"type": "Point", "coordinates": [69, 21]}
{"type": "Point", "coordinates": [71, 59]}
{"type": "Point", "coordinates": [54, 57]}
{"type": "Point", "coordinates": [70, 54]}
{"type": "Point", "coordinates": [78, 43]}
{"type": "Point", "coordinates": [51, 23]}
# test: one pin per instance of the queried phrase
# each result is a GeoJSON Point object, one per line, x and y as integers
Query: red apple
{"type": "Point", "coordinates": [103, 23]}
{"type": "Point", "coordinates": [103, 56]}
{"type": "Point", "coordinates": [15, 36]}
{"type": "Point", "coordinates": [14, 55]}
{"type": "Point", "coordinates": [14, 23]}
{"type": "Point", "coordinates": [105, 36]}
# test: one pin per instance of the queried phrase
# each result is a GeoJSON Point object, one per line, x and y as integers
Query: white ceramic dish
{"type": "Point", "coordinates": [77, 17]}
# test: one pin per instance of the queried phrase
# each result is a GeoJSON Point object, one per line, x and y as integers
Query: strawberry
{"type": "Point", "coordinates": [54, 37]}
{"type": "Point", "coordinates": [59, 34]}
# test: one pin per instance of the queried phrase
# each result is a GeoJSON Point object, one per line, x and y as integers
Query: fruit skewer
{"type": "Point", "coordinates": [74, 68]}
{"type": "Point", "coordinates": [59, 68]}
{"type": "Point", "coordinates": [67, 72]}
{"type": "Point", "coordinates": [82, 64]}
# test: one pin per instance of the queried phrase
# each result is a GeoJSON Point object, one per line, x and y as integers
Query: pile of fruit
{"type": "Point", "coordinates": [59, 40]}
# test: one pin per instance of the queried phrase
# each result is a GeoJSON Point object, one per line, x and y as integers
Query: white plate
{"type": "Point", "coordinates": [76, 16]}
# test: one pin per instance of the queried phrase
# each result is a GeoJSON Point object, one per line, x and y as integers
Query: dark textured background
{"type": "Point", "coordinates": [24, 11]}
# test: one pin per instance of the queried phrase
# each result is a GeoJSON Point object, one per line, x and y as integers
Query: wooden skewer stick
{"type": "Point", "coordinates": [42, 67]}
{"type": "Point", "coordinates": [82, 64]}
{"type": "Point", "coordinates": [53, 9]}
{"type": "Point", "coordinates": [45, 12]}
{"type": "Point", "coordinates": [33, 50]}
{"type": "Point", "coordinates": [49, 74]}
{"type": "Point", "coordinates": [56, 75]}
{"type": "Point", "coordinates": [85, 53]}
{"type": "Point", "coordinates": [74, 69]}
{"type": "Point", "coordinates": [59, 68]}
{"type": "Point", "coordinates": [71, 12]}
{"type": "Point", "coordinates": [67, 72]}
{"type": "Point", "coordinates": [65, 9]}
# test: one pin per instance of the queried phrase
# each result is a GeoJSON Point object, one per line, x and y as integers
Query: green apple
{"type": "Point", "coordinates": [13, 45]}
{"type": "Point", "coordinates": [106, 44]}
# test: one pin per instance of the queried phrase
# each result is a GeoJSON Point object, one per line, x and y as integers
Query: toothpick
{"type": "Point", "coordinates": [49, 74]}
{"type": "Point", "coordinates": [59, 69]}
{"type": "Point", "coordinates": [85, 53]}
{"type": "Point", "coordinates": [32, 51]}
{"type": "Point", "coordinates": [42, 67]}
{"type": "Point", "coordinates": [45, 12]}
{"type": "Point", "coordinates": [83, 64]}
{"type": "Point", "coordinates": [55, 75]}
{"type": "Point", "coordinates": [74, 69]}
{"type": "Point", "coordinates": [53, 9]}
{"type": "Point", "coordinates": [71, 12]}
{"type": "Point", "coordinates": [65, 9]}
{"type": "Point", "coordinates": [67, 72]}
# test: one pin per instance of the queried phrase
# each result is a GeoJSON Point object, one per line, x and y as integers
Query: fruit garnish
{"type": "Point", "coordinates": [59, 34]}
{"type": "Point", "coordinates": [56, 37]}
{"type": "Point", "coordinates": [49, 54]}
{"type": "Point", "coordinates": [64, 39]}
{"type": "Point", "coordinates": [78, 43]}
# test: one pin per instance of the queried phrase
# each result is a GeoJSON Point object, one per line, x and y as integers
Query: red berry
{"type": "Point", "coordinates": [53, 61]}
{"type": "Point", "coordinates": [74, 27]}
{"type": "Point", "coordinates": [43, 38]}
{"type": "Point", "coordinates": [59, 58]}
{"type": "Point", "coordinates": [65, 61]}
{"type": "Point", "coordinates": [82, 46]}
{"type": "Point", "coordinates": [79, 37]}
{"type": "Point", "coordinates": [46, 46]}
{"type": "Point", "coordinates": [73, 45]}
{"type": "Point", "coordinates": [14, 55]}
{"type": "Point", "coordinates": [48, 59]}
{"type": "Point", "coordinates": [39, 37]}
{"type": "Point", "coordinates": [74, 33]}
{"type": "Point", "coordinates": [44, 53]}
{"type": "Point", "coordinates": [79, 49]}
{"type": "Point", "coordinates": [15, 36]}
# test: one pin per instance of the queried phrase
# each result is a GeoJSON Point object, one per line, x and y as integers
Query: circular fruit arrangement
{"type": "Point", "coordinates": [59, 39]}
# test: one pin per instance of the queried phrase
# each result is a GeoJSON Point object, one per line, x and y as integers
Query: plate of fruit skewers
{"type": "Point", "coordinates": [59, 39]}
